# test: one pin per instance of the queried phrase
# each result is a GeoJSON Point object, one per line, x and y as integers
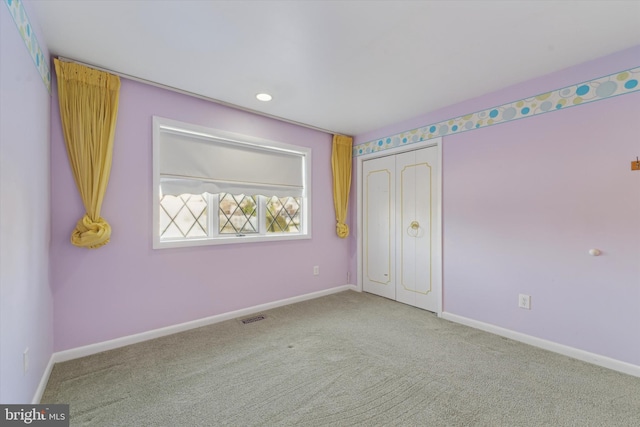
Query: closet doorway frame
{"type": "Point", "coordinates": [437, 261]}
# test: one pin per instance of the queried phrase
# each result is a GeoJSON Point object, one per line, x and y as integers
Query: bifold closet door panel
{"type": "Point", "coordinates": [379, 223]}
{"type": "Point", "coordinates": [414, 232]}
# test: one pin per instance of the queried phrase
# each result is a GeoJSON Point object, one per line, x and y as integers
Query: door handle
{"type": "Point", "coordinates": [414, 229]}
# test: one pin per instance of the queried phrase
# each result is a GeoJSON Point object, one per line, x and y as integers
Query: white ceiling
{"type": "Point", "coordinates": [345, 66]}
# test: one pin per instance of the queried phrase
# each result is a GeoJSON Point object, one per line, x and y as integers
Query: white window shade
{"type": "Point", "coordinates": [197, 163]}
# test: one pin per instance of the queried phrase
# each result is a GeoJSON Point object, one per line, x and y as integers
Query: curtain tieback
{"type": "Point", "coordinates": [342, 229]}
{"type": "Point", "coordinates": [91, 234]}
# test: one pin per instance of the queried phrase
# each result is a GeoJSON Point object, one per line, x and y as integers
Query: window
{"type": "Point", "coordinates": [214, 187]}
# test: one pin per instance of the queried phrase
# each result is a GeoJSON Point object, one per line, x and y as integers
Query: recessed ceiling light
{"type": "Point", "coordinates": [264, 97]}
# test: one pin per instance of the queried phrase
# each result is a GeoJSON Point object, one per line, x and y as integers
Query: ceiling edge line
{"type": "Point", "coordinates": [195, 95]}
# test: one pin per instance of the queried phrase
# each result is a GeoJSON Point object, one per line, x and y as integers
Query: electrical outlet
{"type": "Point", "coordinates": [524, 301]}
{"type": "Point", "coordinates": [316, 270]}
{"type": "Point", "coordinates": [25, 360]}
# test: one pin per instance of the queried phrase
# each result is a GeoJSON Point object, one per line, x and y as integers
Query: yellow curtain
{"type": "Point", "coordinates": [341, 166]}
{"type": "Point", "coordinates": [88, 110]}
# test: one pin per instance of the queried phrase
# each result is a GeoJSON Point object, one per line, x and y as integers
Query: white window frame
{"type": "Point", "coordinates": [214, 238]}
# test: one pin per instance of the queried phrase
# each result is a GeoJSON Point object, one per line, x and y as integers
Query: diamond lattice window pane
{"type": "Point", "coordinates": [171, 205]}
{"type": "Point", "coordinates": [294, 224]}
{"type": "Point", "coordinates": [183, 216]}
{"type": "Point", "coordinates": [165, 220]}
{"type": "Point", "coordinates": [196, 204]}
{"type": "Point", "coordinates": [172, 231]}
{"type": "Point", "coordinates": [237, 214]}
{"type": "Point", "coordinates": [283, 215]}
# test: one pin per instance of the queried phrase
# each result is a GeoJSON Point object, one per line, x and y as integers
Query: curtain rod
{"type": "Point", "coordinates": [195, 95]}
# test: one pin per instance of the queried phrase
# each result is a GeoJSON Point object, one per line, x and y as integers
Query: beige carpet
{"type": "Point", "coordinates": [348, 359]}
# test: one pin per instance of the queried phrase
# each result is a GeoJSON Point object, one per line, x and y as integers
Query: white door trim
{"type": "Point", "coordinates": [438, 226]}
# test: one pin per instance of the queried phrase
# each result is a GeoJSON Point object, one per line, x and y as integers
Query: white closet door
{"type": "Point", "coordinates": [379, 226]}
{"type": "Point", "coordinates": [401, 249]}
{"type": "Point", "coordinates": [416, 174]}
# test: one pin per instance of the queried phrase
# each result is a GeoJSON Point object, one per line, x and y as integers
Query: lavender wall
{"type": "Point", "coordinates": [524, 201]}
{"type": "Point", "coordinates": [126, 287]}
{"type": "Point", "coordinates": [26, 312]}
{"type": "Point", "coordinates": [523, 204]}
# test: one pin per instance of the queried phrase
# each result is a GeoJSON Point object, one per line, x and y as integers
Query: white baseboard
{"type": "Point", "coordinates": [43, 381]}
{"type": "Point", "coordinates": [87, 350]}
{"type": "Point", "coordinates": [565, 350]}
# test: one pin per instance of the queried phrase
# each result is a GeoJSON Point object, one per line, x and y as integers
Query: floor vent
{"type": "Point", "coordinates": [253, 319]}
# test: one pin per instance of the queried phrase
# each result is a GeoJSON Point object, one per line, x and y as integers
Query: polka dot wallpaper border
{"type": "Point", "coordinates": [619, 83]}
{"type": "Point", "coordinates": [19, 15]}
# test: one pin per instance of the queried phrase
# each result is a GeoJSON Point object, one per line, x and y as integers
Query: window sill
{"type": "Point", "coordinates": [231, 240]}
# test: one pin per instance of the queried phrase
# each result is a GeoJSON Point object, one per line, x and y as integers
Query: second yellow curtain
{"type": "Point", "coordinates": [341, 158]}
{"type": "Point", "coordinates": [88, 101]}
